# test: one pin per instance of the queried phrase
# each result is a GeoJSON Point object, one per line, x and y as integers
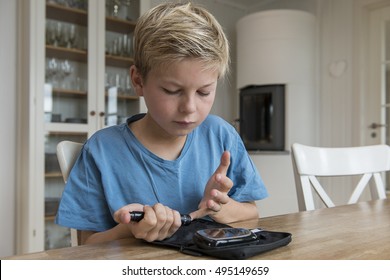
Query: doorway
{"type": "Point", "coordinates": [377, 97]}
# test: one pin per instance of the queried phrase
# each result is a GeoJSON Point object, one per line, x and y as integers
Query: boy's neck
{"type": "Point", "coordinates": [151, 136]}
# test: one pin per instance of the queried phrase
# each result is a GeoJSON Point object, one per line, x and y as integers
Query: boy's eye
{"type": "Point", "coordinates": [202, 93]}
{"type": "Point", "coordinates": [170, 91]}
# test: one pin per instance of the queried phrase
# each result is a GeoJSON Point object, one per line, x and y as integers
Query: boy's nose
{"type": "Point", "coordinates": [188, 104]}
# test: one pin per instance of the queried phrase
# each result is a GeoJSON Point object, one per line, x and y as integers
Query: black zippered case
{"type": "Point", "coordinates": [183, 240]}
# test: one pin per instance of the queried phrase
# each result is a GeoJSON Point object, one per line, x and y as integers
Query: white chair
{"type": "Point", "coordinates": [67, 153]}
{"type": "Point", "coordinates": [312, 162]}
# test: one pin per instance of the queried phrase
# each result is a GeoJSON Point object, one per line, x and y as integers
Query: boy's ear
{"type": "Point", "coordinates": [137, 80]}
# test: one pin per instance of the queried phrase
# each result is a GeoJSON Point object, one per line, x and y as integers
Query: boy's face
{"type": "Point", "coordinates": [179, 97]}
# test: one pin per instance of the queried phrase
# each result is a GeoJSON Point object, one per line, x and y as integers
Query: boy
{"type": "Point", "coordinates": [174, 159]}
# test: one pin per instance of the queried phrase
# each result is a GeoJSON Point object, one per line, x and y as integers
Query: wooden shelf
{"type": "Point", "coordinates": [50, 218]}
{"type": "Point", "coordinates": [119, 25]}
{"type": "Point", "coordinates": [83, 94]}
{"type": "Point", "coordinates": [119, 61]}
{"type": "Point", "coordinates": [80, 17]}
{"type": "Point", "coordinates": [56, 133]}
{"type": "Point", "coordinates": [66, 14]}
{"type": "Point", "coordinates": [68, 92]}
{"type": "Point", "coordinates": [125, 97]}
{"type": "Point", "coordinates": [128, 97]}
{"type": "Point", "coordinates": [53, 175]}
{"type": "Point", "coordinates": [82, 56]}
{"type": "Point", "coordinates": [66, 53]}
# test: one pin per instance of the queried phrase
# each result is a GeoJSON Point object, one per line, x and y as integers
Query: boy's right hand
{"type": "Point", "coordinates": [159, 221]}
{"type": "Point", "coordinates": [216, 192]}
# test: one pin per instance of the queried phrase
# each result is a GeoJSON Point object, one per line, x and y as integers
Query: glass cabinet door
{"type": "Point", "coordinates": [55, 236]}
{"type": "Point", "coordinates": [66, 72]}
{"type": "Point", "coordinates": [120, 100]}
{"type": "Point", "coordinates": [65, 100]}
{"type": "Point", "coordinates": [84, 42]}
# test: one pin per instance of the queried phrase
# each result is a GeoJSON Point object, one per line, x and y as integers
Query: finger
{"type": "Point", "coordinates": [220, 197]}
{"type": "Point", "coordinates": [122, 215]}
{"type": "Point", "coordinates": [224, 164]}
{"type": "Point", "coordinates": [200, 213]}
{"type": "Point", "coordinates": [161, 212]}
{"type": "Point", "coordinates": [214, 206]}
{"type": "Point", "coordinates": [225, 183]}
{"type": "Point", "coordinates": [165, 221]}
{"type": "Point", "coordinates": [176, 219]}
{"type": "Point", "coordinates": [150, 217]}
{"type": "Point", "coordinates": [174, 226]}
{"type": "Point", "coordinates": [147, 228]}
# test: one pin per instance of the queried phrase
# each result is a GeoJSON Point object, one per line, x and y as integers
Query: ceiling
{"type": "Point", "coordinates": [245, 4]}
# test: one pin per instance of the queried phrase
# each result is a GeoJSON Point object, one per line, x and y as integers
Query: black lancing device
{"type": "Point", "coordinates": [137, 216]}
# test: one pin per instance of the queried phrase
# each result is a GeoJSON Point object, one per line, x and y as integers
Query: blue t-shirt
{"type": "Point", "coordinates": [114, 169]}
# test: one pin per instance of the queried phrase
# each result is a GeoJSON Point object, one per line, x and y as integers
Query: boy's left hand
{"type": "Point", "coordinates": [217, 188]}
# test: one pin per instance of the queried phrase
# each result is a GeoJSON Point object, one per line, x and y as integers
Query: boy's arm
{"type": "Point", "coordinates": [90, 237]}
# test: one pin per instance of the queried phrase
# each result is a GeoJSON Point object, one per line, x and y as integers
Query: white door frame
{"type": "Point", "coordinates": [368, 75]}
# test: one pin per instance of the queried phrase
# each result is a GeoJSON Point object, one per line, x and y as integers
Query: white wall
{"type": "Point", "coordinates": [8, 101]}
{"type": "Point", "coordinates": [337, 99]}
{"type": "Point", "coordinates": [277, 174]}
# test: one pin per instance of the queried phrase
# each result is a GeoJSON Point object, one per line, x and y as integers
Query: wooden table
{"type": "Point", "coordinates": [358, 231]}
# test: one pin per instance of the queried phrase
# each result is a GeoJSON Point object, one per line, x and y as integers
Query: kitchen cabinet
{"type": "Point", "coordinates": [80, 53]}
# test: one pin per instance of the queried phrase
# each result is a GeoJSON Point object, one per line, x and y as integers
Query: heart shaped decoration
{"type": "Point", "coordinates": [337, 68]}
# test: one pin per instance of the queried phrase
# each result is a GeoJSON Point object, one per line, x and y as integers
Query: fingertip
{"type": "Point", "coordinates": [194, 215]}
{"type": "Point", "coordinates": [124, 218]}
{"type": "Point", "coordinates": [198, 214]}
{"type": "Point", "coordinates": [225, 158]}
{"type": "Point", "coordinates": [214, 193]}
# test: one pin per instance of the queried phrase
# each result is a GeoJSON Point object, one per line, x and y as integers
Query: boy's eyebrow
{"type": "Point", "coordinates": [179, 85]}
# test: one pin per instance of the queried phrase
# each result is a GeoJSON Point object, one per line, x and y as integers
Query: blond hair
{"type": "Point", "coordinates": [171, 32]}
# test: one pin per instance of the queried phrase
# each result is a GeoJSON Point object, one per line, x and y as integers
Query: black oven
{"type": "Point", "coordinates": [262, 117]}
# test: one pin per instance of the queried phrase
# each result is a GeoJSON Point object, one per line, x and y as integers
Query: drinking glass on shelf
{"type": "Point", "coordinates": [81, 84]}
{"type": "Point", "coordinates": [128, 86]}
{"type": "Point", "coordinates": [107, 81]}
{"type": "Point", "coordinates": [51, 71]}
{"type": "Point", "coordinates": [49, 34]}
{"type": "Point", "coordinates": [118, 82]}
{"type": "Point", "coordinates": [114, 48]}
{"type": "Point", "coordinates": [129, 46]}
{"type": "Point", "coordinates": [59, 77]}
{"type": "Point", "coordinates": [66, 70]}
{"type": "Point", "coordinates": [58, 34]}
{"type": "Point", "coordinates": [71, 36]}
{"type": "Point", "coordinates": [124, 50]}
{"type": "Point", "coordinates": [120, 46]}
{"type": "Point", "coordinates": [65, 36]}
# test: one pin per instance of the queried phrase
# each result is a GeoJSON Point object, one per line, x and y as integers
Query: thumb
{"type": "Point", "coordinates": [122, 215]}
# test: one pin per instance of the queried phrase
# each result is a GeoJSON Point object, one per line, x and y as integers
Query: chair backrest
{"type": "Point", "coordinates": [67, 153]}
{"type": "Point", "coordinates": [312, 162]}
